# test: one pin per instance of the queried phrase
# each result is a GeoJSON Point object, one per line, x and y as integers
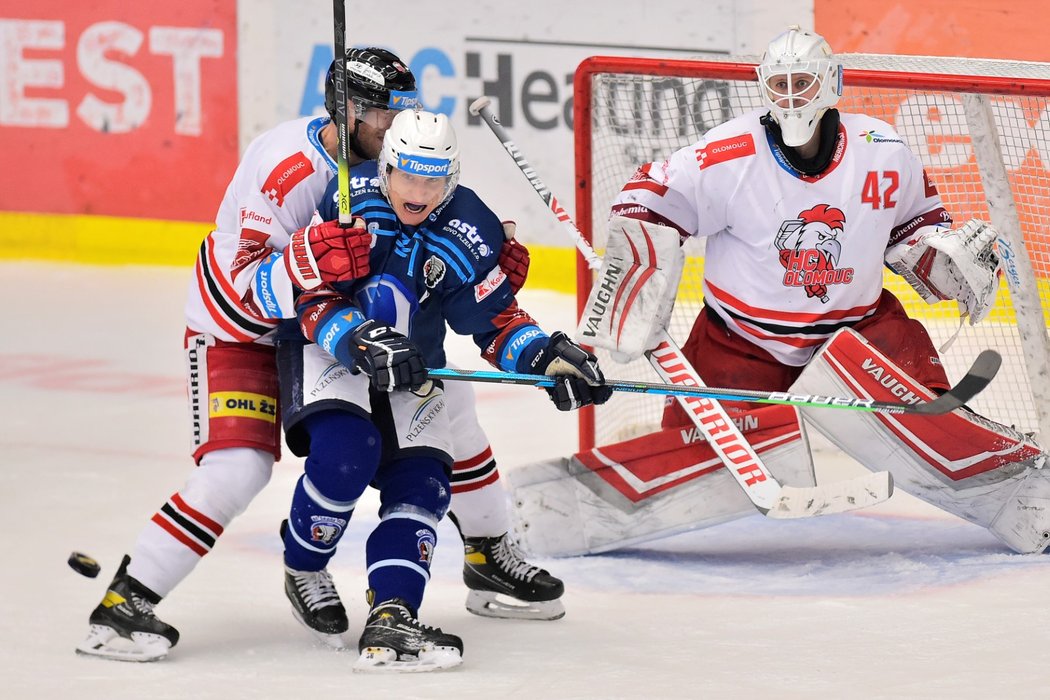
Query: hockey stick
{"type": "Point", "coordinates": [342, 157]}
{"type": "Point", "coordinates": [976, 379]}
{"type": "Point", "coordinates": [768, 495]}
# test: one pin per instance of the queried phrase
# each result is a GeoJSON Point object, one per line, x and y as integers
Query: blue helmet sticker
{"type": "Point", "coordinates": [403, 99]}
{"type": "Point", "coordinates": [422, 165]}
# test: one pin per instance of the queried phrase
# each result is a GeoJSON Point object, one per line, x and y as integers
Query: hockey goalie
{"type": "Point", "coordinates": [799, 217]}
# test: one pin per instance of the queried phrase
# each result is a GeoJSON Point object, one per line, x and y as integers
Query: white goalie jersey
{"type": "Point", "coordinates": [790, 258]}
{"type": "Point", "coordinates": [240, 287]}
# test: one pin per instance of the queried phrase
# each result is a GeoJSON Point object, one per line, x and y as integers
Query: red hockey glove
{"type": "Point", "coordinates": [514, 259]}
{"type": "Point", "coordinates": [325, 253]}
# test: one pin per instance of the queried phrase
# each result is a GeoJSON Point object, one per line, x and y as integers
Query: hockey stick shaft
{"type": "Point", "coordinates": [342, 156]}
{"type": "Point", "coordinates": [944, 404]}
{"type": "Point", "coordinates": [480, 107]}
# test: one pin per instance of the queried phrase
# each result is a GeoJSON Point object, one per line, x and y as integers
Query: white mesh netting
{"type": "Point", "coordinates": [641, 118]}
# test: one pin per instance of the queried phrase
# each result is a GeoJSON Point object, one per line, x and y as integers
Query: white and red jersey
{"type": "Point", "coordinates": [240, 289]}
{"type": "Point", "coordinates": [790, 258]}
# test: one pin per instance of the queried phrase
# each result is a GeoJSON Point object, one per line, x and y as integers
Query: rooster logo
{"type": "Point", "coordinates": [810, 250]}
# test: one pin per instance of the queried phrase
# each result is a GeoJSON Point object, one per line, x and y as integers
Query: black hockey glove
{"type": "Point", "coordinates": [580, 380]}
{"type": "Point", "coordinates": [392, 361]}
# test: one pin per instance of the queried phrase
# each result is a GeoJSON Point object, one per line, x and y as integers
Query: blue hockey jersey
{"type": "Point", "coordinates": [443, 271]}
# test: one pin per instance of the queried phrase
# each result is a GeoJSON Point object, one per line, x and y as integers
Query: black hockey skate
{"type": "Point", "coordinates": [394, 640]}
{"type": "Point", "coordinates": [316, 604]}
{"type": "Point", "coordinates": [504, 585]}
{"type": "Point", "coordinates": [123, 626]}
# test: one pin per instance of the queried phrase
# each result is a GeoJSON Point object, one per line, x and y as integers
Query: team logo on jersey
{"type": "Point", "coordinates": [876, 137]}
{"type": "Point", "coordinates": [810, 249]}
{"type": "Point", "coordinates": [425, 545]}
{"type": "Point", "coordinates": [251, 245]}
{"type": "Point", "coordinates": [433, 271]}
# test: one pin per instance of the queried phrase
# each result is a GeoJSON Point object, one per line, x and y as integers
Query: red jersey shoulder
{"type": "Point", "coordinates": [723, 150]}
{"type": "Point", "coordinates": [286, 175]}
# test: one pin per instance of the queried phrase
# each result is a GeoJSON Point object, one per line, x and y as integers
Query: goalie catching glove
{"type": "Point", "coordinates": [580, 381]}
{"type": "Point", "coordinates": [391, 361]}
{"type": "Point", "coordinates": [960, 264]}
{"type": "Point", "coordinates": [323, 252]}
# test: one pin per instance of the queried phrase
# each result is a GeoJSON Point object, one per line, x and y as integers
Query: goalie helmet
{"type": "Point", "coordinates": [374, 78]}
{"type": "Point", "coordinates": [800, 81]}
{"type": "Point", "coordinates": [420, 143]}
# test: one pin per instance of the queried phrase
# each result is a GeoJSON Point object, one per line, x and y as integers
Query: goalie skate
{"type": "Point", "coordinates": [123, 626]}
{"type": "Point", "coordinates": [394, 641]}
{"type": "Point", "coordinates": [504, 585]}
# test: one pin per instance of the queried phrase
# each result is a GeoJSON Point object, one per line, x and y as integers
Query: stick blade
{"type": "Point", "coordinates": [836, 497]}
{"type": "Point", "coordinates": [980, 374]}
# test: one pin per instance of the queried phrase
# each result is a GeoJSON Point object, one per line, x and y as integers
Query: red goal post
{"type": "Point", "coordinates": [981, 127]}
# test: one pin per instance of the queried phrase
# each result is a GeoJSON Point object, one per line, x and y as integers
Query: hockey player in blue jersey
{"type": "Point", "coordinates": [358, 402]}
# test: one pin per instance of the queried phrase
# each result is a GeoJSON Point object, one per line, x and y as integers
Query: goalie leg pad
{"type": "Point", "coordinates": [652, 486]}
{"type": "Point", "coordinates": [967, 465]}
{"type": "Point", "coordinates": [632, 298]}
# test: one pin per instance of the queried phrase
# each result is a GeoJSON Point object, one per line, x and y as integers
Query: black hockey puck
{"type": "Point", "coordinates": [84, 565]}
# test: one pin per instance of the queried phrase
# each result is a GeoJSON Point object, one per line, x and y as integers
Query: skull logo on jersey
{"type": "Point", "coordinates": [810, 249]}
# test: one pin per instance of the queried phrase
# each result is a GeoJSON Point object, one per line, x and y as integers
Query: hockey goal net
{"type": "Point", "coordinates": [981, 127]}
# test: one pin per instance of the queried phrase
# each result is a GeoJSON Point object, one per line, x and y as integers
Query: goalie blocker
{"type": "Point", "coordinates": [969, 466]}
{"type": "Point", "coordinates": [648, 487]}
{"type": "Point", "coordinates": [632, 298]}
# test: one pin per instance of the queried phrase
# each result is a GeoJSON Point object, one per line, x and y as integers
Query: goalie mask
{"type": "Point", "coordinates": [419, 164]}
{"type": "Point", "coordinates": [800, 82]}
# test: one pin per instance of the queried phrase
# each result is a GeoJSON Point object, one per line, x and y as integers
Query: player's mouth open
{"type": "Point", "coordinates": [414, 208]}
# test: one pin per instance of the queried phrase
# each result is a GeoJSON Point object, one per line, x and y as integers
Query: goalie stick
{"type": "Point", "coordinates": [769, 496]}
{"type": "Point", "coordinates": [976, 379]}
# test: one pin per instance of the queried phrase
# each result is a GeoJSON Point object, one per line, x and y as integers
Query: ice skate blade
{"type": "Point", "coordinates": [103, 642]}
{"type": "Point", "coordinates": [384, 660]}
{"type": "Point", "coordinates": [332, 641]}
{"type": "Point", "coordinates": [490, 604]}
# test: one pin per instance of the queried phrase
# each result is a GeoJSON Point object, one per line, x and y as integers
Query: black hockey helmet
{"type": "Point", "coordinates": [374, 78]}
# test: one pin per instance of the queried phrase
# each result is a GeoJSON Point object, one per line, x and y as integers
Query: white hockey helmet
{"type": "Point", "coordinates": [800, 81]}
{"type": "Point", "coordinates": [420, 143]}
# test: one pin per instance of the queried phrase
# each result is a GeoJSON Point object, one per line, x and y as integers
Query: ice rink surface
{"type": "Point", "coordinates": [900, 601]}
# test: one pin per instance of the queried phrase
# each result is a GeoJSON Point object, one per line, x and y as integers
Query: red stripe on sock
{"type": "Point", "coordinates": [179, 535]}
{"type": "Point", "coordinates": [475, 485]}
{"type": "Point", "coordinates": [473, 461]}
{"type": "Point", "coordinates": [201, 518]}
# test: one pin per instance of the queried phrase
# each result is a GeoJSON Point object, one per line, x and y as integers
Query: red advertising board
{"type": "Point", "coordinates": [116, 108]}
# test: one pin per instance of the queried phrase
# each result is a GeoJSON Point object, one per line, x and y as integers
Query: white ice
{"type": "Point", "coordinates": [901, 601]}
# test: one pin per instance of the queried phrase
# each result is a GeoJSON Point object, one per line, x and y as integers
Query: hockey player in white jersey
{"type": "Point", "coordinates": [801, 207]}
{"type": "Point", "coordinates": [241, 287]}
